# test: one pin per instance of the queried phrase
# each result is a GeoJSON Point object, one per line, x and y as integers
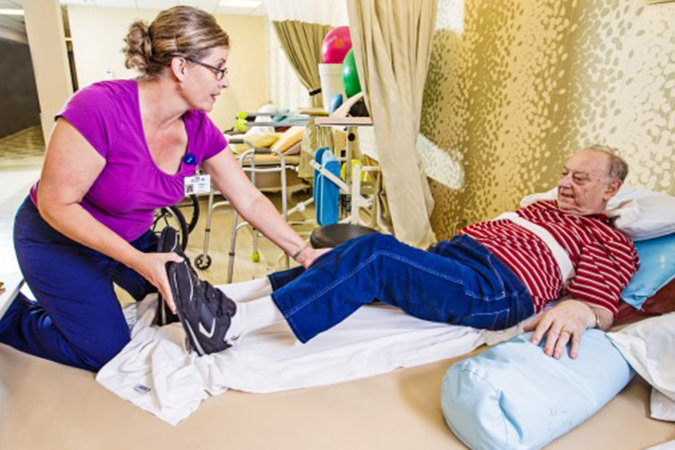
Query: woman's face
{"type": "Point", "coordinates": [201, 85]}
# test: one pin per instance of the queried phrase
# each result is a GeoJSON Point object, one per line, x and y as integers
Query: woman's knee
{"type": "Point", "coordinates": [97, 352]}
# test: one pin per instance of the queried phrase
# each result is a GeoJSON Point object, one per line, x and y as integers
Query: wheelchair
{"type": "Point", "coordinates": [183, 217]}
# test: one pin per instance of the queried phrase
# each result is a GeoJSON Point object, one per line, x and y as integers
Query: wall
{"type": "Point", "coordinates": [20, 107]}
{"type": "Point", "coordinates": [46, 35]}
{"type": "Point", "coordinates": [98, 40]}
{"type": "Point", "coordinates": [516, 86]}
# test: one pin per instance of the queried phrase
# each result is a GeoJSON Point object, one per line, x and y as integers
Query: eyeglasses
{"type": "Point", "coordinates": [576, 177]}
{"type": "Point", "coordinates": [218, 72]}
{"type": "Point", "coordinates": [581, 178]}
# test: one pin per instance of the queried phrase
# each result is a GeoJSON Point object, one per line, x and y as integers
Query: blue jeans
{"type": "Point", "coordinates": [459, 282]}
{"type": "Point", "coordinates": [77, 319]}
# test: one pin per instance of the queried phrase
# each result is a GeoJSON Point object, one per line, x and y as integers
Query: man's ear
{"type": "Point", "coordinates": [178, 68]}
{"type": "Point", "coordinates": [612, 188]}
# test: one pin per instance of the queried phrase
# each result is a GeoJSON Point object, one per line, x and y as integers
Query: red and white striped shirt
{"type": "Point", "coordinates": [604, 259]}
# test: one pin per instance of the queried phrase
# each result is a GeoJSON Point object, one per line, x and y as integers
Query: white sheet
{"type": "Point", "coordinates": [156, 373]}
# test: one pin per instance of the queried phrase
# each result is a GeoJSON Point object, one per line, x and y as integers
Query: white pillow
{"type": "Point", "coordinates": [661, 406]}
{"type": "Point", "coordinates": [639, 213]}
{"type": "Point", "coordinates": [648, 348]}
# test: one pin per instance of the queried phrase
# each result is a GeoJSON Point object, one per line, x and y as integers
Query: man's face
{"type": "Point", "coordinates": [585, 187]}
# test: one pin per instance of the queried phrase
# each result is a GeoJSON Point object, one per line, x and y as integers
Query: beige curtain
{"type": "Point", "coordinates": [392, 47]}
{"type": "Point", "coordinates": [302, 43]}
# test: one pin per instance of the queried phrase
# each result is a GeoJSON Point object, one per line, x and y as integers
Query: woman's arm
{"type": "Point", "coordinates": [71, 167]}
{"type": "Point", "coordinates": [233, 183]}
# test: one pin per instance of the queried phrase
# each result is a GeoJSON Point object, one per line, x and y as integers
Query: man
{"type": "Point", "coordinates": [492, 275]}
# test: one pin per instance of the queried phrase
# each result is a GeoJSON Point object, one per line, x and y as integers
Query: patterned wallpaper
{"type": "Point", "coordinates": [517, 86]}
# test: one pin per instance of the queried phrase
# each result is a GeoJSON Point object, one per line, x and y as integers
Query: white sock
{"type": "Point", "coordinates": [248, 290]}
{"type": "Point", "coordinates": [253, 315]}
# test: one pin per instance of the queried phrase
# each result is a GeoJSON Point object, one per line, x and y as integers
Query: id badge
{"type": "Point", "coordinates": [199, 184]}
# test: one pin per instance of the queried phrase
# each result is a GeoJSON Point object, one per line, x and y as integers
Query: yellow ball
{"type": "Point", "coordinates": [240, 125]}
{"type": "Point", "coordinates": [255, 257]}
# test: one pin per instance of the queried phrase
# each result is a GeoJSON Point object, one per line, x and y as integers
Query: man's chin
{"type": "Point", "coordinates": [565, 206]}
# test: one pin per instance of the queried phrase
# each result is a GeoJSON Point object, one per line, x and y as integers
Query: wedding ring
{"type": "Point", "coordinates": [565, 330]}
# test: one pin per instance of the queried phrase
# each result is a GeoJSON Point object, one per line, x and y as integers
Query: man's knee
{"type": "Point", "coordinates": [373, 244]}
{"type": "Point", "coordinates": [377, 241]}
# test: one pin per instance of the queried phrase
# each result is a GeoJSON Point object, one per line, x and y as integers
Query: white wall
{"type": "Point", "coordinates": [44, 26]}
{"type": "Point", "coordinates": [98, 35]}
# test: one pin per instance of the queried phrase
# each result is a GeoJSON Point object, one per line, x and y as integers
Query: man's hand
{"type": "Point", "coordinates": [567, 320]}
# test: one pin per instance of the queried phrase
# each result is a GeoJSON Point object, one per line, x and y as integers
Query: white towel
{"type": "Point", "coordinates": [156, 373]}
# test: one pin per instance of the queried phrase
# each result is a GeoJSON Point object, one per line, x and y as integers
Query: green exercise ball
{"type": "Point", "coordinates": [350, 77]}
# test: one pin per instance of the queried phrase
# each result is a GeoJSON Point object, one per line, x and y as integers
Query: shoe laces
{"type": "Point", "coordinates": [215, 296]}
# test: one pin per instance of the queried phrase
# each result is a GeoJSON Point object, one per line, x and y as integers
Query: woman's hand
{"type": "Point", "coordinates": [567, 320]}
{"type": "Point", "coordinates": [309, 255]}
{"type": "Point", "coordinates": [152, 266]}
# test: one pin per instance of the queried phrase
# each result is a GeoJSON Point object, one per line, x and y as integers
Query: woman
{"type": "Point", "coordinates": [119, 150]}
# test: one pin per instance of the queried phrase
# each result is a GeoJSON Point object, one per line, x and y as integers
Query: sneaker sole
{"type": "Point", "coordinates": [172, 273]}
{"type": "Point", "coordinates": [168, 243]}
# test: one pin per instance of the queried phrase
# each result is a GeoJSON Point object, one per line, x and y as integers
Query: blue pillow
{"type": "Point", "coordinates": [657, 268]}
{"type": "Point", "coordinates": [513, 396]}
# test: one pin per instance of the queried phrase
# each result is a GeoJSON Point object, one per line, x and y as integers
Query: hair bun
{"type": "Point", "coordinates": [138, 46]}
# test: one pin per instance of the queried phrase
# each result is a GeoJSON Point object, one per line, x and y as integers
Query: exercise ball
{"type": "Point", "coordinates": [335, 103]}
{"type": "Point", "coordinates": [335, 46]}
{"type": "Point", "coordinates": [350, 77]}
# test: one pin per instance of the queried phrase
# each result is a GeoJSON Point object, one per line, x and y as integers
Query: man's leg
{"type": "Point", "coordinates": [283, 277]}
{"type": "Point", "coordinates": [246, 291]}
{"type": "Point", "coordinates": [77, 319]}
{"type": "Point", "coordinates": [460, 282]}
{"type": "Point", "coordinates": [460, 287]}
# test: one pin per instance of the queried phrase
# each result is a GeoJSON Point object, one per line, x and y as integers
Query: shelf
{"type": "Point", "coordinates": [343, 122]}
